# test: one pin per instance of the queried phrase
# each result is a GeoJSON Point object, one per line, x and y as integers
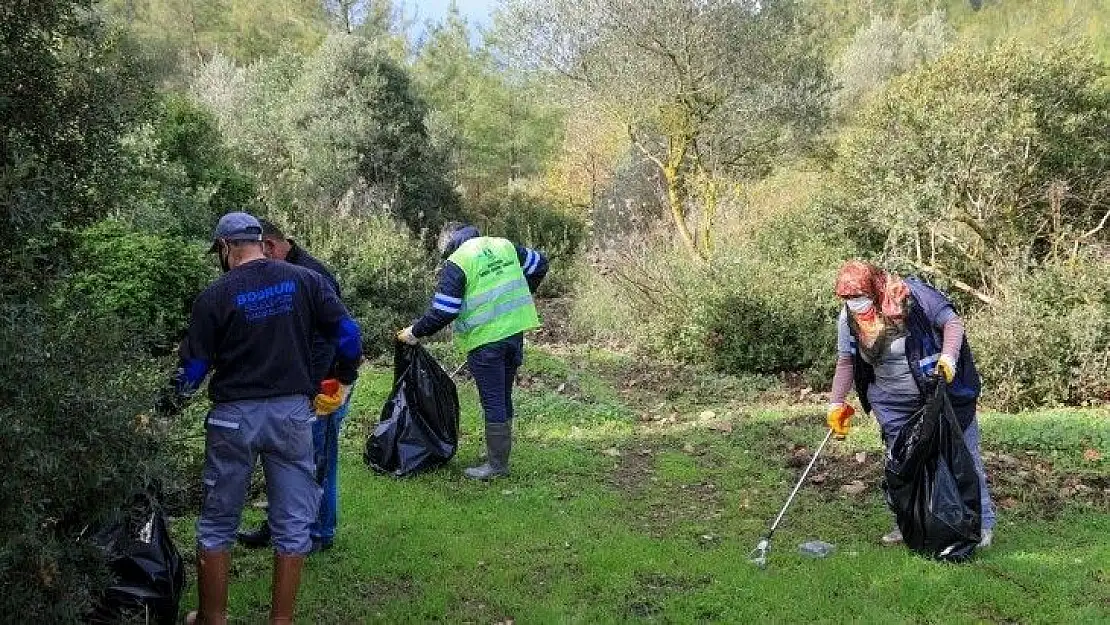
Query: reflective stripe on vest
{"type": "Point", "coordinates": [493, 294]}
{"type": "Point", "coordinates": [491, 314]}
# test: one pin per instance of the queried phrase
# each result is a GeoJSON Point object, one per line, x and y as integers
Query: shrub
{"type": "Point", "coordinates": [313, 128]}
{"type": "Point", "coordinates": [147, 281]}
{"type": "Point", "coordinates": [763, 305]}
{"type": "Point", "coordinates": [384, 271]}
{"type": "Point", "coordinates": [189, 134]}
{"type": "Point", "coordinates": [884, 49]}
{"type": "Point", "coordinates": [984, 161]}
{"type": "Point", "coordinates": [776, 310]}
{"type": "Point", "coordinates": [537, 223]}
{"type": "Point", "coordinates": [71, 88]}
{"type": "Point", "coordinates": [601, 312]}
{"type": "Point", "coordinates": [1047, 340]}
{"type": "Point", "coordinates": [72, 451]}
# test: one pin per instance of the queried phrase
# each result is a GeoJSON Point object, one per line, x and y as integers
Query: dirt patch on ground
{"type": "Point", "coordinates": [555, 313]}
{"type": "Point", "coordinates": [646, 383]}
{"type": "Point", "coordinates": [635, 467]}
{"type": "Point", "coordinates": [699, 502]}
{"type": "Point", "coordinates": [836, 475]}
{"type": "Point", "coordinates": [381, 590]}
{"type": "Point", "coordinates": [648, 599]}
{"type": "Point", "coordinates": [657, 504]}
{"type": "Point", "coordinates": [1025, 482]}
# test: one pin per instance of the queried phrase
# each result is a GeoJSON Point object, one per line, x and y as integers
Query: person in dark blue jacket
{"type": "Point", "coordinates": [495, 359]}
{"type": "Point", "coordinates": [893, 335]}
{"type": "Point", "coordinates": [252, 329]}
{"type": "Point", "coordinates": [325, 431]}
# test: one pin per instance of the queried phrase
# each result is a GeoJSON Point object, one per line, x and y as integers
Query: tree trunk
{"type": "Point", "coordinates": [709, 193]}
{"type": "Point", "coordinates": [710, 201]}
{"type": "Point", "coordinates": [676, 199]}
{"type": "Point", "coordinates": [193, 31]}
{"type": "Point", "coordinates": [674, 179]}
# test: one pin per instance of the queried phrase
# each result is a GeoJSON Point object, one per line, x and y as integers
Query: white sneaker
{"type": "Point", "coordinates": [893, 538]}
{"type": "Point", "coordinates": [986, 538]}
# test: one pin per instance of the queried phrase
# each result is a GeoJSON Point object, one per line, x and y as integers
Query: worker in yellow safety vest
{"type": "Point", "coordinates": [485, 290]}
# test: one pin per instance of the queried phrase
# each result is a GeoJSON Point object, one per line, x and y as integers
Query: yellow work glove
{"type": "Point", "coordinates": [406, 336]}
{"type": "Point", "coordinates": [946, 366]}
{"type": "Point", "coordinates": [331, 397]}
{"type": "Point", "coordinates": [840, 419]}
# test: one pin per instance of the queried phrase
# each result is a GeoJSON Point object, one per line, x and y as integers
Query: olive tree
{"type": "Point", "coordinates": [985, 161]}
{"type": "Point", "coordinates": [340, 129]}
{"type": "Point", "coordinates": [705, 88]}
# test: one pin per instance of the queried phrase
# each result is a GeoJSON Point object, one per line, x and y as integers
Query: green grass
{"type": "Point", "coordinates": [634, 505]}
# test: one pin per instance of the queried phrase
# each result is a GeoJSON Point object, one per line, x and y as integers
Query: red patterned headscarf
{"type": "Point", "coordinates": [861, 279]}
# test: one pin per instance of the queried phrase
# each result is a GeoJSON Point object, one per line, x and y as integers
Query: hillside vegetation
{"type": "Point", "coordinates": [695, 170]}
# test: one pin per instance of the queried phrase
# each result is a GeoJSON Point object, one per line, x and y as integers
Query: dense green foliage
{"type": "Point", "coordinates": [74, 450]}
{"type": "Point", "coordinates": [334, 133]}
{"type": "Point", "coordinates": [985, 162]}
{"type": "Point", "coordinates": [495, 128]}
{"type": "Point", "coordinates": [146, 282]}
{"type": "Point", "coordinates": [1047, 341]}
{"type": "Point", "coordinates": [71, 386]}
{"type": "Point", "coordinates": [188, 134]}
{"type": "Point", "coordinates": [384, 272]}
{"type": "Point", "coordinates": [70, 88]}
{"type": "Point", "coordinates": [179, 34]}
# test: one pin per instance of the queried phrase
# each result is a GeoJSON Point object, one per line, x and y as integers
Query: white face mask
{"type": "Point", "coordinates": [860, 305]}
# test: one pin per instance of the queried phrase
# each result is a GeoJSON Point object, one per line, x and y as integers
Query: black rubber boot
{"type": "Point", "coordinates": [257, 539]}
{"type": "Point", "coordinates": [499, 442]}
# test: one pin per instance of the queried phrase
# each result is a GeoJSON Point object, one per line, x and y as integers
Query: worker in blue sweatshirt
{"type": "Point", "coordinates": [485, 289]}
{"type": "Point", "coordinates": [252, 329]}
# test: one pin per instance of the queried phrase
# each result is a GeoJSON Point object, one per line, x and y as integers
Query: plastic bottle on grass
{"type": "Point", "coordinates": [816, 549]}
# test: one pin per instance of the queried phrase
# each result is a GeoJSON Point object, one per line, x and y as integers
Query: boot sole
{"type": "Point", "coordinates": [485, 478]}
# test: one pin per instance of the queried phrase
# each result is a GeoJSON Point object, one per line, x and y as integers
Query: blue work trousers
{"type": "Point", "coordinates": [279, 431]}
{"type": "Point", "coordinates": [325, 440]}
{"type": "Point", "coordinates": [494, 368]}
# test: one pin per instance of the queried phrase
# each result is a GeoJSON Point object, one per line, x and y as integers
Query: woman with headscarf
{"type": "Point", "coordinates": [892, 335]}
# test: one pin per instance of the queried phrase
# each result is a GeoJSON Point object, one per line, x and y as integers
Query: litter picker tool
{"type": "Point", "coordinates": [758, 556]}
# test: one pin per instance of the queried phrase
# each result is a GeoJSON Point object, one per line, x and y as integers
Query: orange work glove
{"type": "Point", "coordinates": [331, 397]}
{"type": "Point", "coordinates": [840, 419]}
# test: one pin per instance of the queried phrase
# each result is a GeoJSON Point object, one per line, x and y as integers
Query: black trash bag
{"type": "Point", "coordinates": [419, 427]}
{"type": "Point", "coordinates": [931, 483]}
{"type": "Point", "coordinates": [148, 574]}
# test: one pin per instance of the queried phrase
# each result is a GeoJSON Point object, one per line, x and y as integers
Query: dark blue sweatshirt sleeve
{"type": "Point", "coordinates": [534, 265]}
{"type": "Point", "coordinates": [335, 323]}
{"type": "Point", "coordinates": [446, 303]}
{"type": "Point", "coordinates": [196, 352]}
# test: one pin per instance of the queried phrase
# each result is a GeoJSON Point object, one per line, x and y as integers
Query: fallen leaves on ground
{"type": "Point", "coordinates": [721, 426]}
{"type": "Point", "coordinates": [854, 487]}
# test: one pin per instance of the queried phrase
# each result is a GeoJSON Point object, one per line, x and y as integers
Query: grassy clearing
{"type": "Point", "coordinates": [638, 492]}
